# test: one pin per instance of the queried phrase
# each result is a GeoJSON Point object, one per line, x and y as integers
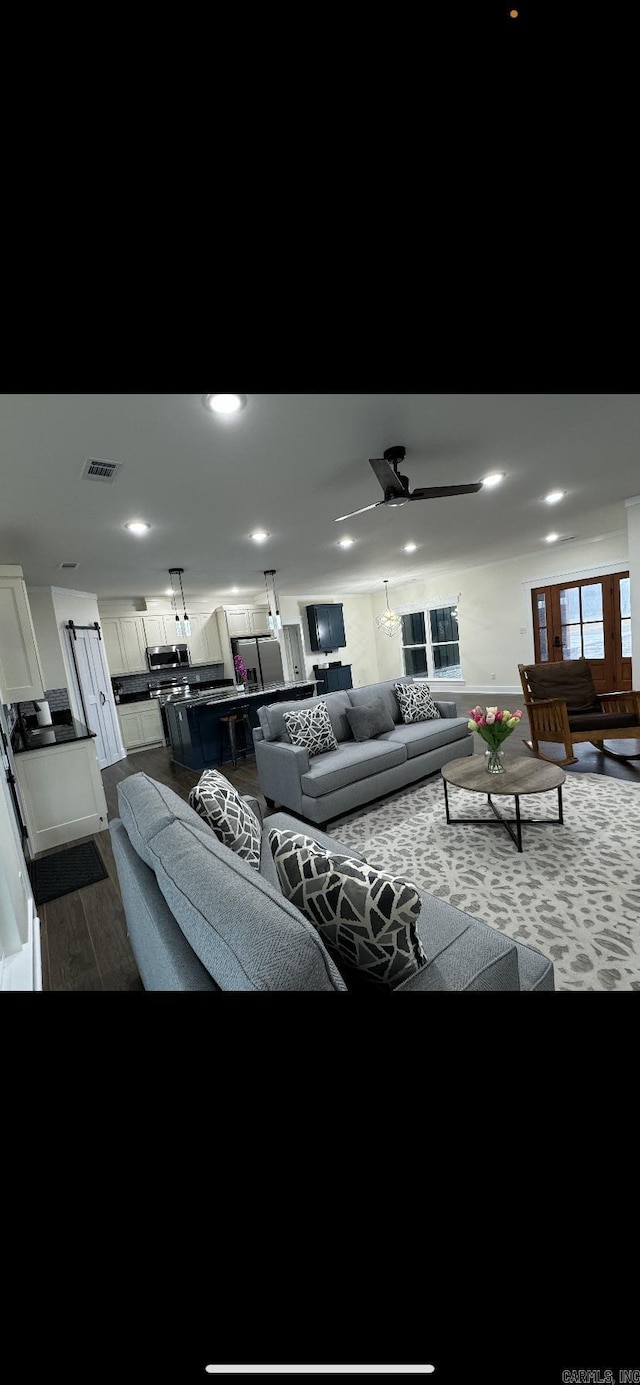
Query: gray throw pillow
{"type": "Point", "coordinates": [365, 917]}
{"type": "Point", "coordinates": [233, 821]}
{"type": "Point", "coordinates": [369, 719]}
{"type": "Point", "coordinates": [416, 702]}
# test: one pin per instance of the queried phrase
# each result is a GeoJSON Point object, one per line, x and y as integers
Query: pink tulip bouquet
{"type": "Point", "coordinates": [493, 724]}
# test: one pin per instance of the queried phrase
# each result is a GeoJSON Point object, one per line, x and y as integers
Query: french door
{"type": "Point", "coordinates": [589, 619]}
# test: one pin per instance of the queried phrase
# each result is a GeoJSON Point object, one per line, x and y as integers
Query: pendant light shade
{"type": "Point", "coordinates": [389, 621]}
{"type": "Point", "coordinates": [177, 572]}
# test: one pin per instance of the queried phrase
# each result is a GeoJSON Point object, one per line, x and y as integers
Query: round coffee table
{"type": "Point", "coordinates": [521, 776]}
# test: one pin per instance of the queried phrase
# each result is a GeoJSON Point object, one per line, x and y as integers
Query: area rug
{"type": "Point", "coordinates": [573, 892]}
{"type": "Point", "coordinates": [64, 871]}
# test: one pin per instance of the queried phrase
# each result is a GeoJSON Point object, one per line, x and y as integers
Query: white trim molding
{"type": "Point", "coordinates": [635, 500]}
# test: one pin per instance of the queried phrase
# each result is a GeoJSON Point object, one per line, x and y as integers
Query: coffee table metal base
{"type": "Point", "coordinates": [507, 823]}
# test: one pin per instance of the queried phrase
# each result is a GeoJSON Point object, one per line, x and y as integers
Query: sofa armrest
{"type": "Point", "coordinates": [446, 709]}
{"type": "Point", "coordinates": [333, 847]}
{"type": "Point", "coordinates": [280, 767]}
{"type": "Point", "coordinates": [253, 803]}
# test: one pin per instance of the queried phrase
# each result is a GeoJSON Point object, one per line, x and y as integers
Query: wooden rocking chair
{"type": "Point", "coordinates": [564, 707]}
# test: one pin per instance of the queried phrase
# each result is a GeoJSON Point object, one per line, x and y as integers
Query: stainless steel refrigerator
{"type": "Point", "coordinates": [263, 661]}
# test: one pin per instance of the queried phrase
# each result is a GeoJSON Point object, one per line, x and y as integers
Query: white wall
{"type": "Point", "coordinates": [360, 649]}
{"type": "Point", "coordinates": [45, 625]}
{"type": "Point", "coordinates": [633, 535]}
{"type": "Point", "coordinates": [495, 621]}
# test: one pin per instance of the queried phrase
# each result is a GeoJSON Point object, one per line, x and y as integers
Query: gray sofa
{"type": "Point", "coordinates": [200, 919]}
{"type": "Point", "coordinates": [321, 787]}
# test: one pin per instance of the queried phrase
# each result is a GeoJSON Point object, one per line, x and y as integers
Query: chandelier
{"type": "Point", "coordinates": [389, 621]}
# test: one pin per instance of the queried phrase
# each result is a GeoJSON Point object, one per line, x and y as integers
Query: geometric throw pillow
{"type": "Point", "coordinates": [311, 729]}
{"type": "Point", "coordinates": [233, 821]}
{"type": "Point", "coordinates": [369, 719]}
{"type": "Point", "coordinates": [365, 917]}
{"type": "Point", "coordinates": [416, 702]}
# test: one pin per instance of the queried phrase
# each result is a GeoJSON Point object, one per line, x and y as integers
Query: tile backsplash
{"type": "Point", "coordinates": [58, 699]}
{"type": "Point", "coordinates": [139, 682]}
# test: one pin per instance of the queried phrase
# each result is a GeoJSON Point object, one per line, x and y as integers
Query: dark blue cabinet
{"type": "Point", "coordinates": [332, 679]}
{"type": "Point", "coordinates": [326, 627]}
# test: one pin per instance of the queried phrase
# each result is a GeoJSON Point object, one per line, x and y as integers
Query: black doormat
{"type": "Point", "coordinates": [65, 871]}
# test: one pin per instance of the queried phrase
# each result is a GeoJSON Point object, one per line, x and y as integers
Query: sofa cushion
{"type": "Point", "coordinates": [384, 690]}
{"type": "Point", "coordinates": [421, 736]}
{"type": "Point", "coordinates": [244, 932]}
{"type": "Point", "coordinates": [366, 916]}
{"type": "Point", "coordinates": [570, 679]}
{"type": "Point", "coordinates": [370, 719]}
{"type": "Point", "coordinates": [233, 821]}
{"type": "Point", "coordinates": [272, 722]}
{"type": "Point", "coordinates": [349, 763]}
{"type": "Point", "coordinates": [416, 702]}
{"type": "Point", "coordinates": [145, 807]}
{"type": "Point", "coordinates": [311, 729]}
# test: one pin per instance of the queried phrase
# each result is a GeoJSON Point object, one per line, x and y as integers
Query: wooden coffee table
{"type": "Point", "coordinates": [521, 776]}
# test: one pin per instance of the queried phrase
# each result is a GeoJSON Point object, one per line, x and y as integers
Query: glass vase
{"type": "Point", "coordinates": [494, 761]}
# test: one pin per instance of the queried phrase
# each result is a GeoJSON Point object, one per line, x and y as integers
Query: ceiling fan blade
{"type": "Point", "coordinates": [359, 512]}
{"type": "Point", "coordinates": [433, 492]}
{"type": "Point", "coordinates": [390, 482]}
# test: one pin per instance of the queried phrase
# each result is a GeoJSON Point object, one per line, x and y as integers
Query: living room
{"type": "Point", "coordinates": [467, 575]}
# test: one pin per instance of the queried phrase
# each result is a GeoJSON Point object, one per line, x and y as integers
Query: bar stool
{"type": "Point", "coordinates": [228, 728]}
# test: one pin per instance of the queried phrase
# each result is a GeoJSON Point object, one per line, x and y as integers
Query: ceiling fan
{"type": "Point", "coordinates": [396, 487]}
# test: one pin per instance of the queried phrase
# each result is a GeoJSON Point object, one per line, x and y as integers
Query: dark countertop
{"type": "Point", "coordinates": [223, 695]}
{"type": "Point", "coordinates": [43, 737]}
{"type": "Point", "coordinates": [145, 694]}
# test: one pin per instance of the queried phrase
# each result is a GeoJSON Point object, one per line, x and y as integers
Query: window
{"type": "Point", "coordinates": [431, 648]}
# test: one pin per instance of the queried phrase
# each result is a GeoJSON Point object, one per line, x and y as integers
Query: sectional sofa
{"type": "Point", "coordinates": [321, 787]}
{"type": "Point", "coordinates": [199, 918]}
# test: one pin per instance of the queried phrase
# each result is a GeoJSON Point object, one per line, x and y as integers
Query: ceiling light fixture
{"type": "Point", "coordinates": [259, 536]}
{"type": "Point", "coordinates": [554, 496]}
{"type": "Point", "coordinates": [173, 605]}
{"type": "Point", "coordinates": [389, 621]}
{"type": "Point", "coordinates": [494, 478]}
{"type": "Point", "coordinates": [137, 526]}
{"type": "Point", "coordinates": [410, 547]}
{"type": "Point", "coordinates": [274, 624]}
{"type": "Point", "coordinates": [178, 571]}
{"type": "Point", "coordinates": [224, 403]}
{"type": "Point", "coordinates": [551, 538]}
{"type": "Point", "coordinates": [345, 543]}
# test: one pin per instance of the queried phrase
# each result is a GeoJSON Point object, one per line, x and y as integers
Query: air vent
{"type": "Point", "coordinates": [96, 470]}
{"type": "Point", "coordinates": [68, 567]}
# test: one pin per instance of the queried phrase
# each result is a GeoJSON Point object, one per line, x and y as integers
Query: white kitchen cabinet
{"type": "Point", "coordinates": [249, 620]}
{"type": "Point", "coordinates": [124, 645]}
{"type": "Point", "coordinates": [20, 672]}
{"type": "Point", "coordinates": [62, 793]}
{"type": "Point", "coordinates": [141, 724]}
{"type": "Point", "coordinates": [204, 640]}
{"type": "Point", "coordinates": [162, 630]}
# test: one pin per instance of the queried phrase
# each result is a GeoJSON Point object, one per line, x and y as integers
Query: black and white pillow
{"type": "Point", "coordinates": [416, 702]}
{"type": "Point", "coordinates": [311, 728]}
{"type": "Point", "coordinates": [233, 821]}
{"type": "Point", "coordinates": [366, 917]}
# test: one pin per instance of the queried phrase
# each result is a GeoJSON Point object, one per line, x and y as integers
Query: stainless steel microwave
{"type": "Point", "coordinates": [167, 656]}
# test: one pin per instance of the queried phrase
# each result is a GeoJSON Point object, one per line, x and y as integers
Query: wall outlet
{"type": "Point", "coordinates": [493, 677]}
{"type": "Point", "coordinates": [523, 629]}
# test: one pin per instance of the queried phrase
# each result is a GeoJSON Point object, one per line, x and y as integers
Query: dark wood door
{"type": "Point", "coordinates": [589, 619]}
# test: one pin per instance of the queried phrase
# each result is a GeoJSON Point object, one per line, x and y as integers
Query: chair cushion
{"type": "Point", "coordinates": [571, 680]}
{"type": "Point", "coordinates": [600, 721]}
{"type": "Point", "coordinates": [349, 763]}
{"type": "Point", "coordinates": [311, 729]}
{"type": "Point", "coordinates": [416, 702]}
{"type": "Point", "coordinates": [366, 917]}
{"type": "Point", "coordinates": [370, 719]}
{"type": "Point", "coordinates": [226, 813]}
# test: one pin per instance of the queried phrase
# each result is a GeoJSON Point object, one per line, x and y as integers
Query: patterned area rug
{"type": "Point", "coordinates": [574, 892]}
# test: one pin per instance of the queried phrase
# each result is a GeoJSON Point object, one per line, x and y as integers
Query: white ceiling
{"type": "Point", "coordinates": [291, 464]}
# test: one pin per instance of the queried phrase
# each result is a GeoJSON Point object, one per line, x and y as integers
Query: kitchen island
{"type": "Point", "coordinates": [197, 736]}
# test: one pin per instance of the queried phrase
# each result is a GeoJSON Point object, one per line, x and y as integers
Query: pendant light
{"type": "Point", "coordinates": [172, 571]}
{"type": "Point", "coordinates": [187, 622]}
{"type": "Point", "coordinates": [389, 621]}
{"type": "Point", "coordinates": [274, 624]}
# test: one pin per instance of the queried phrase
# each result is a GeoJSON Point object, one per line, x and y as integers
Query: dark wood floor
{"type": "Point", "coordinates": [84, 937]}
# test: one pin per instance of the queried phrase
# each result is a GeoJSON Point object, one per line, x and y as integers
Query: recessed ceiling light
{"type": "Point", "coordinates": [259, 536]}
{"type": "Point", "coordinates": [551, 538]}
{"type": "Point", "coordinates": [345, 543]}
{"type": "Point", "coordinates": [494, 478]}
{"type": "Point", "coordinates": [224, 403]}
{"type": "Point", "coordinates": [410, 547]}
{"type": "Point", "coordinates": [235, 589]}
{"type": "Point", "coordinates": [554, 496]}
{"type": "Point", "coordinates": [137, 526]}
